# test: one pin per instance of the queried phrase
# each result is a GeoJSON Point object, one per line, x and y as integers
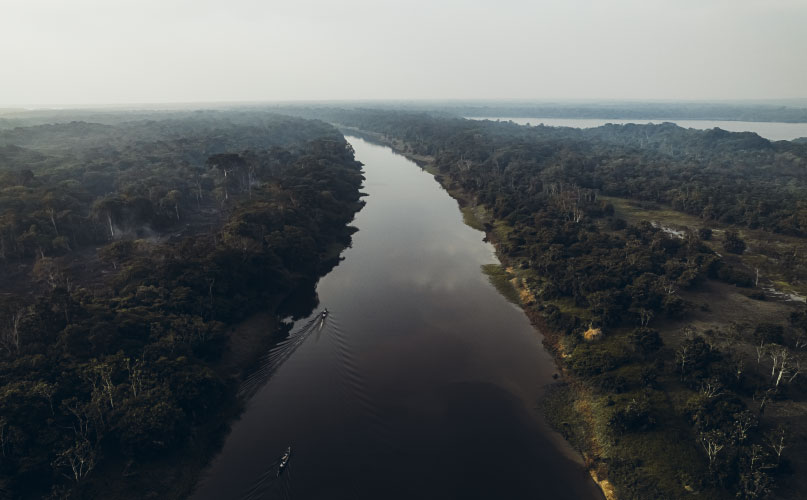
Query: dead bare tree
{"type": "Point", "coordinates": [744, 421]}
{"type": "Point", "coordinates": [10, 331]}
{"type": "Point", "coordinates": [78, 458]}
{"type": "Point", "coordinates": [776, 441]}
{"type": "Point", "coordinates": [785, 366]}
{"type": "Point", "coordinates": [3, 435]}
{"type": "Point", "coordinates": [764, 397]}
{"type": "Point", "coordinates": [711, 388]}
{"type": "Point", "coordinates": [713, 442]}
{"type": "Point", "coordinates": [761, 350]}
{"type": "Point", "coordinates": [800, 340]}
{"type": "Point", "coordinates": [135, 370]}
{"type": "Point", "coordinates": [683, 358]}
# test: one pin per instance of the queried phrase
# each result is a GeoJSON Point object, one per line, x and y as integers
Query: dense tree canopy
{"type": "Point", "coordinates": [145, 241]}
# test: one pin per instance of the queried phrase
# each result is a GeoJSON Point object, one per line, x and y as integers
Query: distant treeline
{"type": "Point", "coordinates": [791, 112]}
{"type": "Point", "coordinates": [126, 251]}
{"type": "Point", "coordinates": [640, 111]}
{"type": "Point", "coordinates": [732, 178]}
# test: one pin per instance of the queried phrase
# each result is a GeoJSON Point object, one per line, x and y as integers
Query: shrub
{"type": "Point", "coordinates": [769, 333]}
{"type": "Point", "coordinates": [734, 276]}
{"type": "Point", "coordinates": [645, 341]}
{"type": "Point", "coordinates": [635, 416]}
{"type": "Point", "coordinates": [733, 243]}
{"type": "Point", "coordinates": [589, 360]}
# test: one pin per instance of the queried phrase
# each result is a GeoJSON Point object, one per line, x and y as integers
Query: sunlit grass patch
{"type": "Point", "coordinates": [502, 230]}
{"type": "Point", "coordinates": [500, 279]}
{"type": "Point", "coordinates": [471, 218]}
{"type": "Point", "coordinates": [566, 306]}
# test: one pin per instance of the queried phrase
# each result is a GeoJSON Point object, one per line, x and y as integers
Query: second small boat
{"type": "Point", "coordinates": [284, 461]}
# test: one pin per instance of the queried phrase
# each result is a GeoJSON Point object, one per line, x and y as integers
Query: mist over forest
{"type": "Point", "coordinates": [403, 249]}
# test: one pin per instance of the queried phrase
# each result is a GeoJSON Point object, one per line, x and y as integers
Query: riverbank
{"type": "Point", "coordinates": [576, 413]}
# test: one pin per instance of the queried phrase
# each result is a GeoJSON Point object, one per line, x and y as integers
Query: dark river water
{"type": "Point", "coordinates": [422, 381]}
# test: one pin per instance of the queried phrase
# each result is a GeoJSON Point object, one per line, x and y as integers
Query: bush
{"type": "Point", "coordinates": [733, 243]}
{"type": "Point", "coordinates": [617, 224]}
{"type": "Point", "coordinates": [769, 333]}
{"type": "Point", "coordinates": [645, 341]}
{"type": "Point", "coordinates": [610, 383]}
{"type": "Point", "coordinates": [649, 376]}
{"type": "Point", "coordinates": [635, 416]}
{"type": "Point", "coordinates": [734, 276]}
{"type": "Point", "coordinates": [589, 360]}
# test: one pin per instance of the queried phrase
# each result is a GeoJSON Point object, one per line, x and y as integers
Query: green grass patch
{"type": "Point", "coordinates": [566, 305]}
{"type": "Point", "coordinates": [430, 168]}
{"type": "Point", "coordinates": [502, 230]}
{"type": "Point", "coordinates": [633, 212]}
{"type": "Point", "coordinates": [500, 279]}
{"type": "Point", "coordinates": [471, 218]}
{"type": "Point", "coordinates": [558, 405]}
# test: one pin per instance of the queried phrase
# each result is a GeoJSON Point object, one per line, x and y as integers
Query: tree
{"type": "Point", "coordinates": [646, 341]}
{"type": "Point", "coordinates": [744, 421]}
{"type": "Point", "coordinates": [713, 442]}
{"type": "Point", "coordinates": [711, 388]}
{"type": "Point", "coordinates": [785, 367]}
{"type": "Point", "coordinates": [755, 482]}
{"type": "Point", "coordinates": [79, 458]}
{"type": "Point", "coordinates": [775, 440]}
{"type": "Point", "coordinates": [10, 318]}
{"type": "Point", "coordinates": [693, 353]}
{"type": "Point", "coordinates": [732, 242]}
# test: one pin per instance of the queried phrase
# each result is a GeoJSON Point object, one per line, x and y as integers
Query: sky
{"type": "Point", "coordinates": [92, 52]}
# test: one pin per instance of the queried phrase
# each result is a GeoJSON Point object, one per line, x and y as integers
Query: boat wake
{"type": "Point", "coordinates": [269, 484]}
{"type": "Point", "coordinates": [354, 386]}
{"type": "Point", "coordinates": [280, 353]}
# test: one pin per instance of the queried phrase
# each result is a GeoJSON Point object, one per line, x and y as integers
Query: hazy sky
{"type": "Point", "coordinates": [150, 51]}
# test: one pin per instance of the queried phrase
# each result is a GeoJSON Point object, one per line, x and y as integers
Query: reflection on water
{"type": "Point", "coordinates": [421, 382]}
{"type": "Point", "coordinates": [775, 131]}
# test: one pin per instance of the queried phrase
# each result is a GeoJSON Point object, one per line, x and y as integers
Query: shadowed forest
{"type": "Point", "coordinates": [128, 249]}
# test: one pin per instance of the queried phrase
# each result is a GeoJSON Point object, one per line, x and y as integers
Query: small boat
{"type": "Point", "coordinates": [284, 461]}
{"type": "Point", "coordinates": [324, 313]}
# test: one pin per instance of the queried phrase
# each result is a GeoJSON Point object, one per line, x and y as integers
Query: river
{"type": "Point", "coordinates": [774, 131]}
{"type": "Point", "coordinates": [421, 382]}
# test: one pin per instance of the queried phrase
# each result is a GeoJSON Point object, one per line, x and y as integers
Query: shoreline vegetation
{"type": "Point", "coordinates": [124, 333]}
{"type": "Point", "coordinates": [683, 404]}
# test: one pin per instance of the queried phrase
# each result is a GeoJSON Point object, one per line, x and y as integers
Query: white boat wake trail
{"type": "Point", "coordinates": [278, 355]}
{"type": "Point", "coordinates": [354, 385]}
{"type": "Point", "coordinates": [270, 484]}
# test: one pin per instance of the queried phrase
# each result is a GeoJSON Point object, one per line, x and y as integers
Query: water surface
{"type": "Point", "coordinates": [775, 131]}
{"type": "Point", "coordinates": [421, 382]}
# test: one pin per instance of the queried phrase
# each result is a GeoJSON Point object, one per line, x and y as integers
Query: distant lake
{"type": "Point", "coordinates": [775, 131]}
